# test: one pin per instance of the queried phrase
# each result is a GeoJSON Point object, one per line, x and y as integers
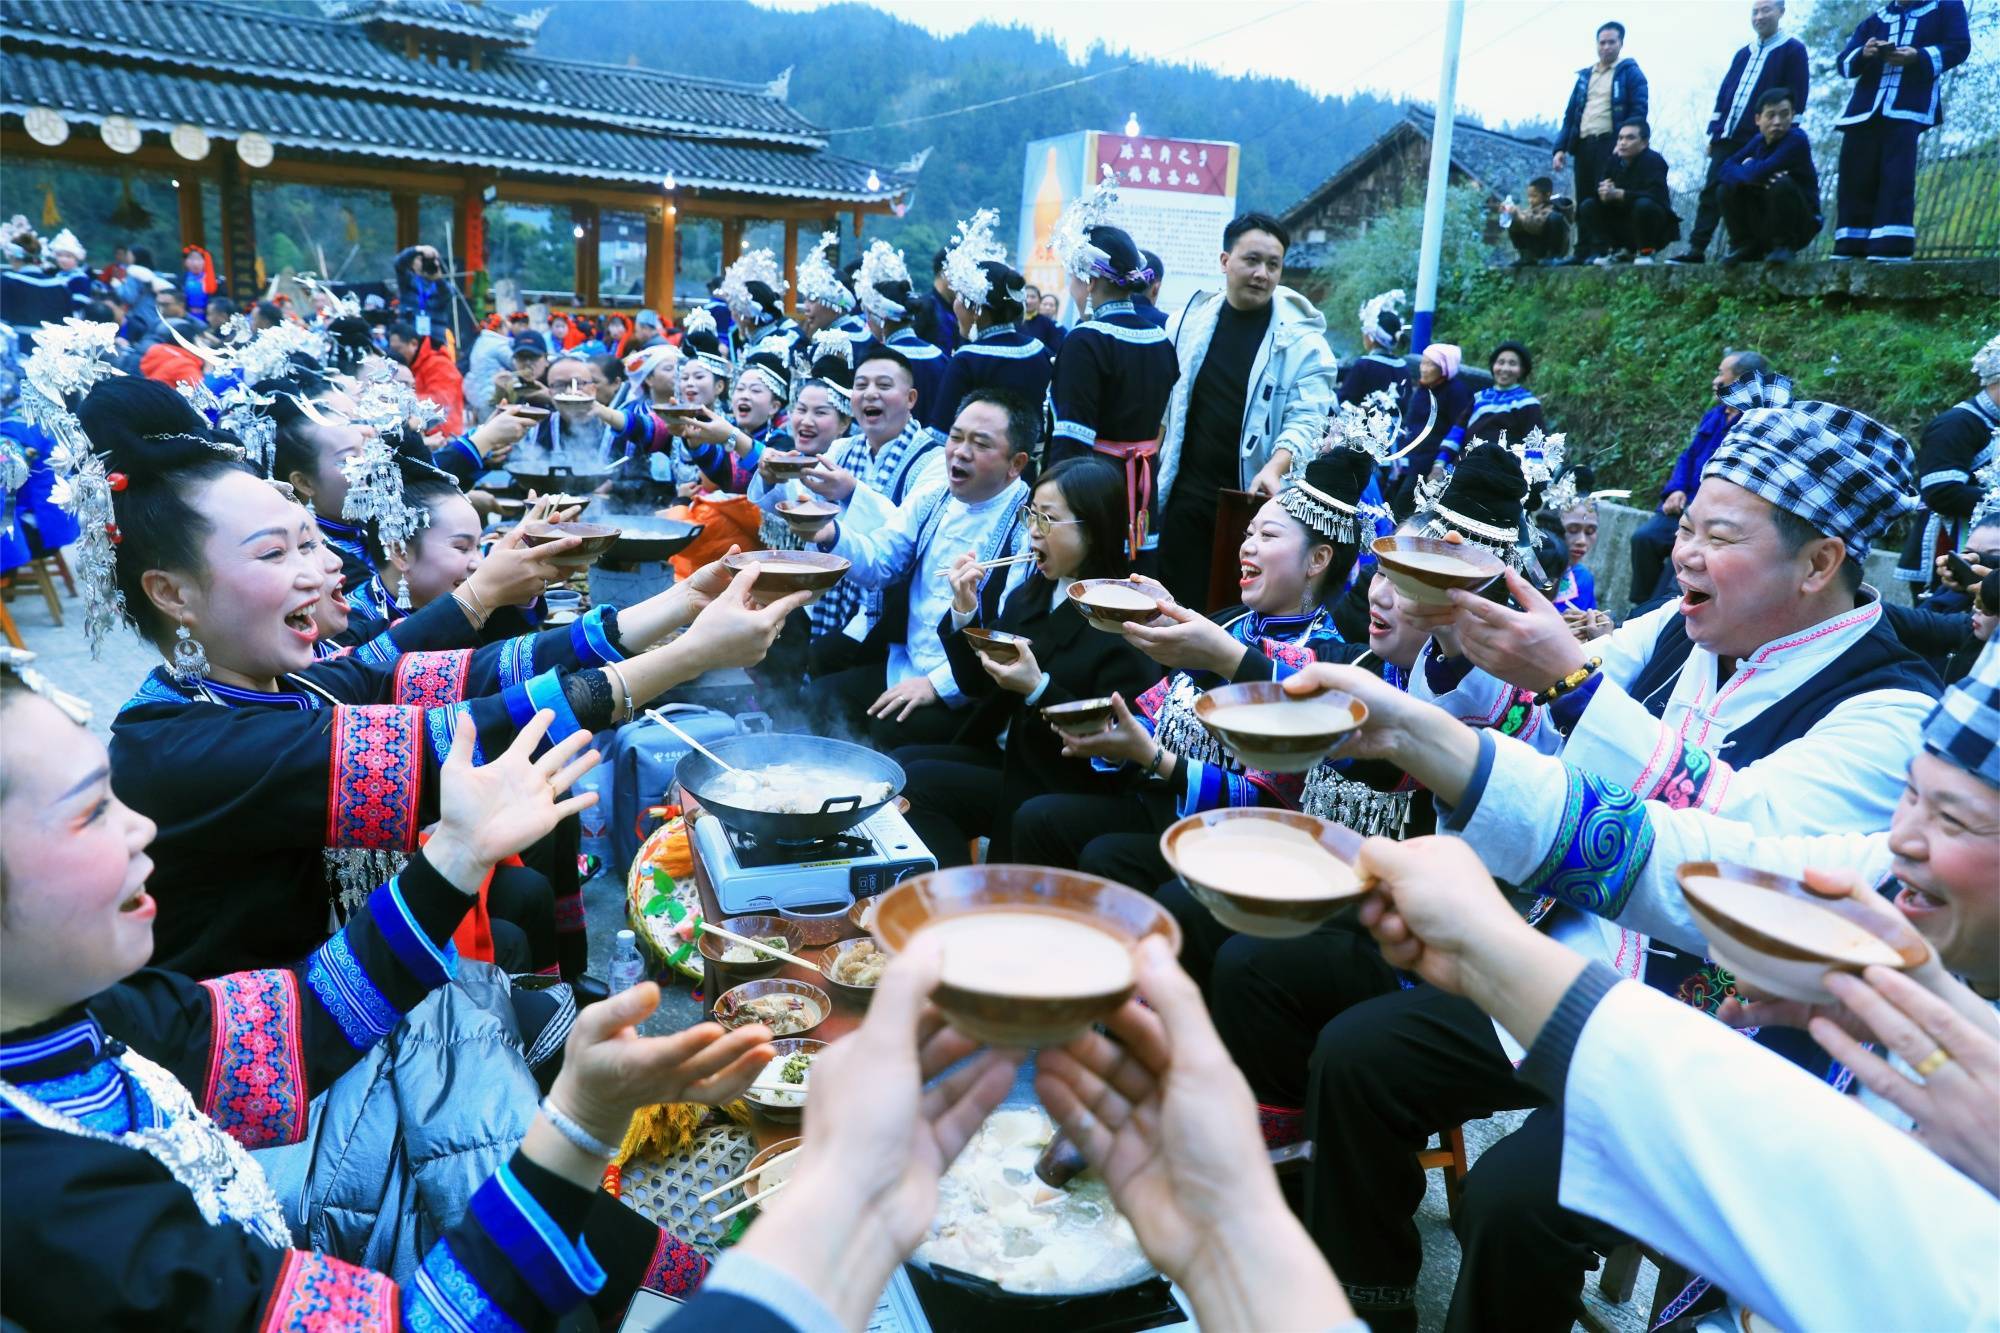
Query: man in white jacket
{"type": "Point", "coordinates": [1257, 382]}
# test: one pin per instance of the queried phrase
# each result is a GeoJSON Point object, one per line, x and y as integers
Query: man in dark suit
{"type": "Point", "coordinates": [1629, 213]}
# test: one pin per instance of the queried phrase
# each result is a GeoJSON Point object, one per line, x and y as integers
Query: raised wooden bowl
{"type": "Point", "coordinates": [1780, 950]}
{"type": "Point", "coordinates": [785, 464]}
{"type": "Point", "coordinates": [1286, 733]}
{"type": "Point", "coordinates": [999, 645]}
{"type": "Point", "coordinates": [807, 517]}
{"type": "Point", "coordinates": [799, 571]}
{"type": "Point", "coordinates": [1110, 604]}
{"type": "Point", "coordinates": [1054, 1010]}
{"type": "Point", "coordinates": [1427, 569]}
{"type": "Point", "coordinates": [1081, 717]}
{"type": "Point", "coordinates": [596, 539]}
{"type": "Point", "coordinates": [1239, 889]}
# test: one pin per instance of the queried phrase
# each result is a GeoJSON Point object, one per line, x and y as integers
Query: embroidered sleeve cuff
{"type": "Point", "coordinates": [415, 913]}
{"type": "Point", "coordinates": [750, 1278]}
{"type": "Point", "coordinates": [559, 1270]}
{"type": "Point", "coordinates": [591, 637]}
{"type": "Point", "coordinates": [349, 991]}
{"type": "Point", "coordinates": [545, 691]}
{"type": "Point", "coordinates": [1547, 1065]}
{"type": "Point", "coordinates": [1452, 819]}
{"type": "Point", "coordinates": [1076, 430]}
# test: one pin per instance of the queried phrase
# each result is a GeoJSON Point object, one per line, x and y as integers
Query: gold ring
{"type": "Point", "coordinates": [1931, 1063]}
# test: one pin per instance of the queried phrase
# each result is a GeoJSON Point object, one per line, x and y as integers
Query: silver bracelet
{"type": "Point", "coordinates": [582, 1139]}
{"type": "Point", "coordinates": [631, 707]}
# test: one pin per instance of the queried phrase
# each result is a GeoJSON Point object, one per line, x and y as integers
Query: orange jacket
{"type": "Point", "coordinates": [437, 379]}
{"type": "Point", "coordinates": [170, 363]}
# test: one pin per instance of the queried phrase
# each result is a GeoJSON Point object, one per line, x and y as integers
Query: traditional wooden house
{"type": "Point", "coordinates": [1392, 172]}
{"type": "Point", "coordinates": [433, 110]}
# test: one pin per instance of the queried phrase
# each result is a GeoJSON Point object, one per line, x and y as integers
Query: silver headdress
{"type": "Point", "coordinates": [1986, 362]}
{"type": "Point", "coordinates": [818, 282]}
{"type": "Point", "coordinates": [1367, 428]}
{"type": "Point", "coordinates": [1371, 316]}
{"type": "Point", "coordinates": [700, 321]}
{"type": "Point", "coordinates": [1541, 455]}
{"type": "Point", "coordinates": [69, 358]}
{"type": "Point", "coordinates": [375, 475]}
{"type": "Point", "coordinates": [337, 305]}
{"type": "Point", "coordinates": [1513, 543]}
{"type": "Point", "coordinates": [1988, 508]}
{"type": "Point", "coordinates": [880, 263]}
{"type": "Point", "coordinates": [972, 245]}
{"type": "Point", "coordinates": [751, 266]}
{"type": "Point", "coordinates": [16, 660]}
{"type": "Point", "coordinates": [245, 359]}
{"type": "Point", "coordinates": [1070, 241]}
{"type": "Point", "coordinates": [831, 343]}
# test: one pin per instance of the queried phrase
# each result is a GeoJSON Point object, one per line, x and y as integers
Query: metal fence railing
{"type": "Point", "coordinates": [1958, 201]}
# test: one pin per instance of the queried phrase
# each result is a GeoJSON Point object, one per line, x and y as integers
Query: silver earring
{"type": "Point", "coordinates": [190, 661]}
{"type": "Point", "coordinates": [403, 593]}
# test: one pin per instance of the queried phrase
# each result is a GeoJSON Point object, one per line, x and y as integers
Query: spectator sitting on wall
{"type": "Point", "coordinates": [1147, 302]}
{"type": "Point", "coordinates": [423, 292]}
{"type": "Point", "coordinates": [1770, 191]}
{"type": "Point", "coordinates": [1767, 64]}
{"type": "Point", "coordinates": [1605, 96]}
{"type": "Point", "coordinates": [1539, 229]}
{"type": "Point", "coordinates": [1630, 214]}
{"type": "Point", "coordinates": [434, 374]}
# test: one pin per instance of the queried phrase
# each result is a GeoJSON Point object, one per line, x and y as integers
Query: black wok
{"type": "Point", "coordinates": [643, 536]}
{"type": "Point", "coordinates": [848, 769]}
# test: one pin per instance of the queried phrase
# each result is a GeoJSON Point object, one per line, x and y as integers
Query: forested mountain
{"type": "Point", "coordinates": [853, 65]}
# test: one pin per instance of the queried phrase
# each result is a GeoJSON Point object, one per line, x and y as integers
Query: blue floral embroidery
{"type": "Point", "coordinates": [1599, 850]}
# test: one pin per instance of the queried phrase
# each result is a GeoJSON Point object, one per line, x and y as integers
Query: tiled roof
{"type": "Point", "coordinates": [1502, 163]}
{"type": "Point", "coordinates": [453, 16]}
{"type": "Point", "coordinates": [290, 50]}
{"type": "Point", "coordinates": [88, 90]}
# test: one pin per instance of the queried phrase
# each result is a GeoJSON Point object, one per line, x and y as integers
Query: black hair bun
{"type": "Point", "coordinates": [765, 296]}
{"type": "Point", "coordinates": [148, 429]}
{"type": "Point", "coordinates": [1341, 473]}
{"type": "Point", "coordinates": [1121, 252]}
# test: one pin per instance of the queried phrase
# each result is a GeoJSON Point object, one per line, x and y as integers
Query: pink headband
{"type": "Point", "coordinates": [1446, 356]}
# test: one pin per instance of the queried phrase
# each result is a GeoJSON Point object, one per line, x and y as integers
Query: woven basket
{"type": "Point", "coordinates": [664, 1189]}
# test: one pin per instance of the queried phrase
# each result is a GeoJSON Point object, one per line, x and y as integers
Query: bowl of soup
{"type": "Point", "coordinates": [1780, 936]}
{"type": "Point", "coordinates": [1081, 717]}
{"type": "Point", "coordinates": [595, 540]}
{"type": "Point", "coordinates": [1032, 955]}
{"type": "Point", "coordinates": [735, 963]}
{"type": "Point", "coordinates": [1272, 873]}
{"type": "Point", "coordinates": [1427, 569]}
{"type": "Point", "coordinates": [1110, 604]}
{"type": "Point", "coordinates": [807, 517]}
{"type": "Point", "coordinates": [789, 1008]}
{"type": "Point", "coordinates": [1266, 727]}
{"type": "Point", "coordinates": [783, 572]}
{"type": "Point", "coordinates": [996, 645]}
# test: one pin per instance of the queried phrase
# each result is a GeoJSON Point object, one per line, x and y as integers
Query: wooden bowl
{"type": "Point", "coordinates": [1778, 949]}
{"type": "Point", "coordinates": [1426, 569]}
{"type": "Point", "coordinates": [1230, 885]}
{"type": "Point", "coordinates": [729, 1003]}
{"type": "Point", "coordinates": [779, 1112]}
{"type": "Point", "coordinates": [775, 1176]}
{"type": "Point", "coordinates": [1285, 734]}
{"type": "Point", "coordinates": [1081, 717]}
{"type": "Point", "coordinates": [999, 645]}
{"type": "Point", "coordinates": [806, 517]}
{"type": "Point", "coordinates": [596, 540]}
{"type": "Point", "coordinates": [992, 903]}
{"type": "Point", "coordinates": [858, 996]}
{"type": "Point", "coordinates": [798, 571]}
{"type": "Point", "coordinates": [862, 915]}
{"type": "Point", "coordinates": [756, 927]}
{"type": "Point", "coordinates": [785, 464]}
{"type": "Point", "coordinates": [1109, 604]}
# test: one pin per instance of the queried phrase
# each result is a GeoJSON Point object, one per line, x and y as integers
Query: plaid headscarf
{"type": "Point", "coordinates": [1964, 729]}
{"type": "Point", "coordinates": [1847, 475]}
{"type": "Point", "coordinates": [1758, 390]}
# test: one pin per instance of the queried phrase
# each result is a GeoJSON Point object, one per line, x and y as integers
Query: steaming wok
{"type": "Point", "coordinates": [643, 536]}
{"type": "Point", "coordinates": [848, 768]}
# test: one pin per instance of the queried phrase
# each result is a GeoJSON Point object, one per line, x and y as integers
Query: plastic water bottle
{"type": "Point", "coordinates": [628, 969]}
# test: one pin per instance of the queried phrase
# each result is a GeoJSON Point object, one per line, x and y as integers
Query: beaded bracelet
{"type": "Point", "coordinates": [582, 1139]}
{"type": "Point", "coordinates": [1574, 680]}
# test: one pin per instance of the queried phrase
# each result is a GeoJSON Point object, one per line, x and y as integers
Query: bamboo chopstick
{"type": "Point", "coordinates": [747, 1176]}
{"type": "Point", "coordinates": [759, 945]}
{"type": "Point", "coordinates": [759, 1197]}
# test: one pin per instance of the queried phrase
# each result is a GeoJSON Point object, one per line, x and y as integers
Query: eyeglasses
{"type": "Point", "coordinates": [1039, 522]}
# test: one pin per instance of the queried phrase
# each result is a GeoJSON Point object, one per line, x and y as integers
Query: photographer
{"type": "Point", "coordinates": [423, 293]}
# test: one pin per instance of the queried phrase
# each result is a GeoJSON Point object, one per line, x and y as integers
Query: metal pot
{"type": "Point", "coordinates": [848, 768]}
{"type": "Point", "coordinates": [643, 536]}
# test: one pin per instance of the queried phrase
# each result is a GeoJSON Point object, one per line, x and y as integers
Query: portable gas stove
{"type": "Point", "coordinates": [758, 876]}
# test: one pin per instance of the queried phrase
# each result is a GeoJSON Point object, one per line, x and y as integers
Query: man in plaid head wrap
{"type": "Point", "coordinates": [1772, 693]}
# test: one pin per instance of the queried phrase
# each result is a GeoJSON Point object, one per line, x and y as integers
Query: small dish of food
{"type": "Point", "coordinates": [1780, 936]}
{"type": "Point", "coordinates": [1032, 955]}
{"type": "Point", "coordinates": [1262, 871]}
{"type": "Point", "coordinates": [853, 968]}
{"type": "Point", "coordinates": [1426, 569]}
{"type": "Point", "coordinates": [1266, 727]}
{"type": "Point", "coordinates": [1108, 604]}
{"type": "Point", "coordinates": [783, 572]}
{"type": "Point", "coordinates": [1000, 646]}
{"type": "Point", "coordinates": [1081, 717]}
{"type": "Point", "coordinates": [781, 1087]}
{"type": "Point", "coordinates": [596, 540]}
{"type": "Point", "coordinates": [736, 963]}
{"type": "Point", "coordinates": [789, 1008]}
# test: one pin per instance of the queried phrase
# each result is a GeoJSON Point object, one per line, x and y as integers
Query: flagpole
{"type": "Point", "coordinates": [1440, 179]}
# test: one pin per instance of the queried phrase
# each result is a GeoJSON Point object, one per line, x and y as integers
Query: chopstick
{"type": "Point", "coordinates": [1000, 564]}
{"type": "Point", "coordinates": [711, 928]}
{"type": "Point", "coordinates": [747, 1176]}
{"type": "Point", "coordinates": [759, 1197]}
{"type": "Point", "coordinates": [713, 757]}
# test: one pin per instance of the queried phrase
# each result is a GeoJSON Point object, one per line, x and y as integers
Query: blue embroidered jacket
{"type": "Point", "coordinates": [1111, 382]}
{"type": "Point", "coordinates": [1909, 92]}
{"type": "Point", "coordinates": [111, 1240]}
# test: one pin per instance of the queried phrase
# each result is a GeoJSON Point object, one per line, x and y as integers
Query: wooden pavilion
{"type": "Point", "coordinates": [415, 99]}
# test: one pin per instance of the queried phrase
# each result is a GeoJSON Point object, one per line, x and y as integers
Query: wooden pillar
{"type": "Point", "coordinates": [189, 198]}
{"type": "Point", "coordinates": [584, 216]}
{"type": "Point", "coordinates": [469, 230]}
{"type": "Point", "coordinates": [405, 206]}
{"type": "Point", "coordinates": [732, 240]}
{"type": "Point", "coordinates": [857, 226]}
{"type": "Point", "coordinates": [238, 253]}
{"type": "Point", "coordinates": [791, 266]}
{"type": "Point", "coordinates": [662, 245]}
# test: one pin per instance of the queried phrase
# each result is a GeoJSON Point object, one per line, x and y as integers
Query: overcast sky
{"type": "Point", "coordinates": [1517, 60]}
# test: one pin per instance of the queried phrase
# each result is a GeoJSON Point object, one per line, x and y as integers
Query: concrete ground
{"type": "Point", "coordinates": [109, 680]}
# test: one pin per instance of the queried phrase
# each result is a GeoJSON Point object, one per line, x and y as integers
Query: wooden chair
{"type": "Point", "coordinates": [1620, 1275]}
{"type": "Point", "coordinates": [7, 627]}
{"type": "Point", "coordinates": [43, 570]}
{"type": "Point", "coordinates": [1449, 1156]}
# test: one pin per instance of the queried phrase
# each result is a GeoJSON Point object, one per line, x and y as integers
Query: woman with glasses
{"type": "Point", "coordinates": [965, 790]}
